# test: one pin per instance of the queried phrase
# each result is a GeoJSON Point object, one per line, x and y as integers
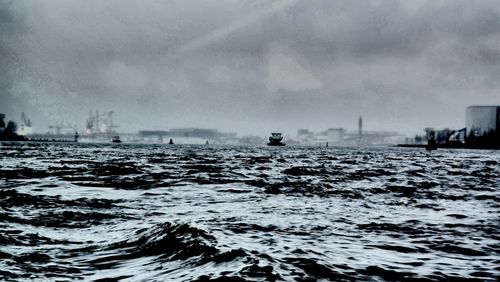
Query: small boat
{"type": "Point", "coordinates": [275, 139]}
{"type": "Point", "coordinates": [431, 143]}
{"type": "Point", "coordinates": [171, 142]}
{"type": "Point", "coordinates": [116, 139]}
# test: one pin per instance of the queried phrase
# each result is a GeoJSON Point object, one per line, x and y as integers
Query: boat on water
{"type": "Point", "coordinates": [431, 143]}
{"type": "Point", "coordinates": [275, 139]}
{"type": "Point", "coordinates": [116, 139]}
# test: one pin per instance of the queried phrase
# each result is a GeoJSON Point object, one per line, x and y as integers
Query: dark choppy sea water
{"type": "Point", "coordinates": [182, 213]}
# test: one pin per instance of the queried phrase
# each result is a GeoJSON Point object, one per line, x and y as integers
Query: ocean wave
{"type": "Point", "coordinates": [194, 213]}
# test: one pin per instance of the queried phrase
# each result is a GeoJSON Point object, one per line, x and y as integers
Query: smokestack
{"type": "Point", "coordinates": [360, 130]}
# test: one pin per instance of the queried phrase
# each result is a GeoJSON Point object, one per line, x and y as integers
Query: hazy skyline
{"type": "Point", "coordinates": [250, 66]}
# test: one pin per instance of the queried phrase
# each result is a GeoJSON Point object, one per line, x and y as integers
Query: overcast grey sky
{"type": "Point", "coordinates": [250, 66]}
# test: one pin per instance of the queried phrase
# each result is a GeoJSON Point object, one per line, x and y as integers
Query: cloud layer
{"type": "Point", "coordinates": [250, 66]}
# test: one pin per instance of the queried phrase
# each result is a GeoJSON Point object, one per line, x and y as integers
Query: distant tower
{"type": "Point", "coordinates": [360, 129]}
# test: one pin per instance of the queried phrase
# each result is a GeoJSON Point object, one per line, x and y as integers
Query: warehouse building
{"type": "Point", "coordinates": [482, 120]}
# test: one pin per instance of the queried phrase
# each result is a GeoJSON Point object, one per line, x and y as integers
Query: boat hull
{"type": "Point", "coordinates": [276, 144]}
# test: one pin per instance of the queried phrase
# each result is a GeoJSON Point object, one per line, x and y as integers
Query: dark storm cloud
{"type": "Point", "coordinates": [252, 66]}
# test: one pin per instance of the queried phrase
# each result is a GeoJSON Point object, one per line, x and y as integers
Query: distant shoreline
{"type": "Point", "coordinates": [441, 146]}
{"type": "Point", "coordinates": [451, 146]}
